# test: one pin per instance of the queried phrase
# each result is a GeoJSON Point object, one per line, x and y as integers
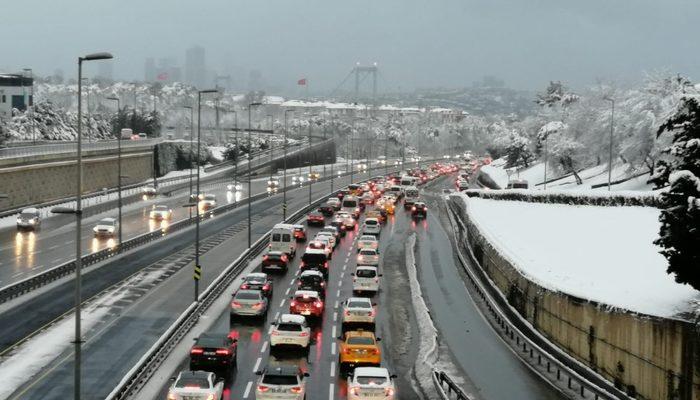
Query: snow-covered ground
{"type": "Point", "coordinates": [604, 254]}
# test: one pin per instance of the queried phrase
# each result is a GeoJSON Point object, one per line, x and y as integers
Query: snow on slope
{"type": "Point", "coordinates": [604, 254]}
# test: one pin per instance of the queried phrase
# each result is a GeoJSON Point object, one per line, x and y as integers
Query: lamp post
{"type": "Point", "coordinates": [284, 179]}
{"type": "Point", "coordinates": [78, 217]}
{"type": "Point", "coordinates": [31, 96]}
{"type": "Point", "coordinates": [195, 200]}
{"type": "Point", "coordinates": [612, 128]}
{"type": "Point", "coordinates": [191, 145]}
{"type": "Point", "coordinates": [119, 171]}
{"type": "Point", "coordinates": [271, 145]}
{"type": "Point", "coordinates": [546, 137]}
{"type": "Point", "coordinates": [235, 162]}
{"type": "Point", "coordinates": [250, 127]}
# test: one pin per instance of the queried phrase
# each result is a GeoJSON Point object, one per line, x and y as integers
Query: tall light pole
{"type": "Point", "coordinates": [284, 181]}
{"type": "Point", "coordinates": [197, 267]}
{"type": "Point", "coordinates": [271, 145]}
{"type": "Point", "coordinates": [191, 145]}
{"type": "Point", "coordinates": [31, 97]}
{"type": "Point", "coordinates": [352, 144]}
{"type": "Point", "coordinates": [546, 137]}
{"type": "Point", "coordinates": [612, 128]}
{"type": "Point", "coordinates": [79, 218]}
{"type": "Point", "coordinates": [119, 171]}
{"type": "Point", "coordinates": [87, 106]}
{"type": "Point", "coordinates": [235, 163]}
{"type": "Point", "coordinates": [310, 163]}
{"type": "Point", "coordinates": [250, 127]}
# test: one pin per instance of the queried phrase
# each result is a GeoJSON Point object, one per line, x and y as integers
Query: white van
{"type": "Point", "coordinates": [408, 181]}
{"type": "Point", "coordinates": [365, 279]}
{"type": "Point", "coordinates": [411, 194]}
{"type": "Point", "coordinates": [282, 239]}
{"type": "Point", "coordinates": [351, 205]}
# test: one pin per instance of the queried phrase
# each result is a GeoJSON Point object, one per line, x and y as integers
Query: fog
{"type": "Point", "coordinates": [417, 44]}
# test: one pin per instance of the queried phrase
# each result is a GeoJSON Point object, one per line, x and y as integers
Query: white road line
{"type": "Point", "coordinates": [338, 293]}
{"type": "Point", "coordinates": [335, 316]}
{"type": "Point", "coordinates": [38, 266]}
{"type": "Point", "coordinates": [247, 389]}
{"type": "Point", "coordinates": [292, 281]}
{"type": "Point", "coordinates": [340, 283]}
{"type": "Point", "coordinates": [335, 333]}
{"type": "Point", "coordinates": [282, 303]}
{"type": "Point", "coordinates": [330, 391]}
{"type": "Point", "coordinates": [53, 247]}
{"type": "Point", "coordinates": [17, 274]}
{"type": "Point", "coordinates": [333, 346]}
{"type": "Point", "coordinates": [336, 306]}
{"type": "Point", "coordinates": [345, 267]}
{"type": "Point", "coordinates": [257, 364]}
{"type": "Point", "coordinates": [264, 347]}
{"type": "Point", "coordinates": [269, 331]}
{"type": "Point", "coordinates": [277, 315]}
{"type": "Point", "coordinates": [342, 274]}
{"type": "Point", "coordinates": [56, 261]}
{"type": "Point", "coordinates": [332, 373]}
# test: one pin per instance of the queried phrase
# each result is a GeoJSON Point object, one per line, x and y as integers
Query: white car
{"type": "Point", "coordinates": [282, 382]}
{"type": "Point", "coordinates": [160, 212]}
{"type": "Point", "coordinates": [371, 383]}
{"type": "Point", "coordinates": [196, 385]}
{"type": "Point", "coordinates": [149, 191]}
{"type": "Point", "coordinates": [368, 257]}
{"type": "Point", "coordinates": [208, 201]}
{"type": "Point", "coordinates": [329, 236]}
{"type": "Point", "coordinates": [321, 243]}
{"type": "Point", "coordinates": [372, 227]}
{"type": "Point", "coordinates": [290, 330]}
{"type": "Point", "coordinates": [367, 242]}
{"type": "Point", "coordinates": [28, 219]}
{"type": "Point", "coordinates": [348, 220]}
{"type": "Point", "coordinates": [358, 310]}
{"type": "Point", "coordinates": [335, 202]}
{"type": "Point", "coordinates": [365, 279]}
{"type": "Point", "coordinates": [105, 227]}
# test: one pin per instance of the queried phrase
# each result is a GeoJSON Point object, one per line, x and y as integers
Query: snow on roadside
{"type": "Point", "coordinates": [604, 254]}
{"type": "Point", "coordinates": [428, 346]}
{"type": "Point", "coordinates": [497, 174]}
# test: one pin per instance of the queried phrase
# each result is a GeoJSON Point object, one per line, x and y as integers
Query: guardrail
{"type": "Point", "coordinates": [552, 359]}
{"type": "Point", "coordinates": [71, 147]}
{"type": "Point", "coordinates": [447, 388]}
{"type": "Point", "coordinates": [139, 375]}
{"type": "Point", "coordinates": [41, 279]}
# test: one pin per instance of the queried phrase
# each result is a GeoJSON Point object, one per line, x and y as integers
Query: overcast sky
{"type": "Point", "coordinates": [417, 43]}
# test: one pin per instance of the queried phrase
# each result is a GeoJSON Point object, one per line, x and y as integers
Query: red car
{"type": "Point", "coordinates": [299, 233]}
{"type": "Point", "coordinates": [275, 260]}
{"type": "Point", "coordinates": [315, 218]}
{"type": "Point", "coordinates": [307, 303]}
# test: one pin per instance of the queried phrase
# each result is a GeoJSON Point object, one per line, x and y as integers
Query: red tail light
{"type": "Point", "coordinates": [244, 286]}
{"type": "Point", "coordinates": [375, 352]}
{"type": "Point", "coordinates": [323, 284]}
{"type": "Point", "coordinates": [275, 333]}
{"type": "Point", "coordinates": [355, 391]}
{"type": "Point", "coordinates": [318, 304]}
{"type": "Point", "coordinates": [347, 351]}
{"type": "Point", "coordinates": [373, 313]}
{"type": "Point", "coordinates": [414, 208]}
{"type": "Point", "coordinates": [257, 305]}
{"type": "Point", "coordinates": [296, 389]}
{"type": "Point", "coordinates": [222, 352]}
{"type": "Point", "coordinates": [388, 391]}
{"type": "Point", "coordinates": [376, 280]}
{"type": "Point", "coordinates": [197, 350]}
{"type": "Point", "coordinates": [347, 313]}
{"type": "Point", "coordinates": [284, 258]}
{"type": "Point", "coordinates": [266, 286]}
{"type": "Point", "coordinates": [325, 265]}
{"type": "Point", "coordinates": [263, 388]}
{"type": "Point", "coordinates": [265, 257]}
{"type": "Point", "coordinates": [302, 264]}
{"type": "Point", "coordinates": [293, 304]}
{"type": "Point", "coordinates": [235, 304]}
{"type": "Point", "coordinates": [304, 334]}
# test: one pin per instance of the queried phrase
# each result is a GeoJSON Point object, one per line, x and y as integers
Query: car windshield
{"type": "Point", "coordinates": [371, 380]}
{"type": "Point", "coordinates": [366, 273]}
{"type": "Point", "coordinates": [289, 327]}
{"type": "Point", "coordinates": [310, 280]}
{"type": "Point", "coordinates": [358, 304]}
{"type": "Point", "coordinates": [210, 197]}
{"type": "Point", "coordinates": [280, 380]}
{"type": "Point", "coordinates": [310, 258]}
{"type": "Point", "coordinates": [192, 382]}
{"type": "Point", "coordinates": [106, 222]}
{"type": "Point", "coordinates": [360, 341]}
{"type": "Point", "coordinates": [161, 208]}
{"type": "Point", "coordinates": [248, 296]}
{"type": "Point", "coordinates": [368, 253]}
{"type": "Point", "coordinates": [274, 256]}
{"type": "Point", "coordinates": [27, 215]}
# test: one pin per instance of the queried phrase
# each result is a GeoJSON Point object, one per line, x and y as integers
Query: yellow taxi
{"type": "Point", "coordinates": [375, 214]}
{"type": "Point", "coordinates": [389, 207]}
{"type": "Point", "coordinates": [359, 349]}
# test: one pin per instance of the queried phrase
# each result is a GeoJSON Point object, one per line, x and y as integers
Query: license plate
{"type": "Point", "coordinates": [209, 353]}
{"type": "Point", "coordinates": [358, 314]}
{"type": "Point", "coordinates": [306, 313]}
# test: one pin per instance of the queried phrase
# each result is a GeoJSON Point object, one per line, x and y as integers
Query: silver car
{"type": "Point", "coordinates": [196, 385]}
{"type": "Point", "coordinates": [249, 303]}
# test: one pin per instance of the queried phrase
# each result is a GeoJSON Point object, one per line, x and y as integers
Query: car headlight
{"type": "Point", "coordinates": [94, 229]}
{"type": "Point", "coordinates": [31, 221]}
{"type": "Point", "coordinates": [19, 220]}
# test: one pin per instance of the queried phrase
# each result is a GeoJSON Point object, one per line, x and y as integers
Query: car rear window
{"type": "Point", "coordinates": [366, 273]}
{"type": "Point", "coordinates": [313, 258]}
{"type": "Point", "coordinates": [368, 238]}
{"type": "Point", "coordinates": [350, 203]}
{"type": "Point", "coordinates": [358, 304]}
{"type": "Point", "coordinates": [192, 382]}
{"type": "Point", "coordinates": [367, 253]}
{"type": "Point", "coordinates": [371, 222]}
{"type": "Point", "coordinates": [371, 380]}
{"type": "Point", "coordinates": [280, 379]}
{"type": "Point", "coordinates": [307, 299]}
{"type": "Point", "coordinates": [211, 342]}
{"type": "Point", "coordinates": [360, 340]}
{"type": "Point", "coordinates": [255, 279]}
{"type": "Point", "coordinates": [276, 237]}
{"type": "Point", "coordinates": [248, 295]}
{"type": "Point", "coordinates": [289, 327]}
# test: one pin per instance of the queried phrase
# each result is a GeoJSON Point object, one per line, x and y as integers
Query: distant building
{"type": "Point", "coordinates": [195, 66]}
{"type": "Point", "coordinates": [13, 91]}
{"type": "Point", "coordinates": [149, 70]}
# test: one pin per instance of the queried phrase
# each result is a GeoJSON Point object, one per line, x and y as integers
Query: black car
{"type": "Point", "coordinates": [312, 280]}
{"type": "Point", "coordinates": [213, 352]}
{"type": "Point", "coordinates": [327, 209]}
{"type": "Point", "coordinates": [258, 281]}
{"type": "Point", "coordinates": [275, 260]}
{"type": "Point", "coordinates": [419, 210]}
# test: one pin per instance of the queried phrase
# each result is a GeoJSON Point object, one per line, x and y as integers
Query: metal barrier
{"type": "Point", "coordinates": [446, 388]}
{"type": "Point", "coordinates": [67, 148]}
{"type": "Point", "coordinates": [556, 362]}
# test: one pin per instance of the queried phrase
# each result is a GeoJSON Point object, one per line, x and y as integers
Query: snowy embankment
{"type": "Point", "coordinates": [603, 254]}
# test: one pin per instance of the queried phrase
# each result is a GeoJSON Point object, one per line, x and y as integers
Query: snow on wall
{"type": "Point", "coordinates": [603, 254]}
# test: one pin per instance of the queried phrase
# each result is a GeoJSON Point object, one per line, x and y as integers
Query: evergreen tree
{"type": "Point", "coordinates": [679, 235]}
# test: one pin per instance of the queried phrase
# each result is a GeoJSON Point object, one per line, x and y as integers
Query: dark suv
{"type": "Point", "coordinates": [213, 352]}
{"type": "Point", "coordinates": [419, 210]}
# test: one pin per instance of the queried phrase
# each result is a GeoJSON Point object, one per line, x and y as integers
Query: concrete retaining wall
{"type": "Point", "coordinates": [648, 357]}
{"type": "Point", "coordinates": [37, 183]}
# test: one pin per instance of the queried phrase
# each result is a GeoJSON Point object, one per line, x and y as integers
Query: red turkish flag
{"type": "Point", "coordinates": [301, 82]}
{"type": "Point", "coordinates": [163, 76]}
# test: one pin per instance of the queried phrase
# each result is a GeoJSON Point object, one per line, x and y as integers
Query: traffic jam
{"type": "Point", "coordinates": [304, 324]}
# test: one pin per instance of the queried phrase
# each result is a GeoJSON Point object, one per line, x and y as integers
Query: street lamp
{"type": "Point", "coordinates": [191, 144]}
{"type": "Point", "coordinates": [198, 267]}
{"type": "Point", "coordinates": [119, 171]}
{"type": "Point", "coordinates": [284, 181]}
{"type": "Point", "coordinates": [250, 144]}
{"type": "Point", "coordinates": [31, 96]}
{"type": "Point", "coordinates": [78, 217]}
{"type": "Point", "coordinates": [271, 144]}
{"type": "Point", "coordinates": [235, 162]}
{"type": "Point", "coordinates": [612, 128]}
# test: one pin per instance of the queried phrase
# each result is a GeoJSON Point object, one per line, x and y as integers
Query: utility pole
{"type": "Point", "coordinates": [612, 129]}
{"type": "Point", "coordinates": [250, 143]}
{"type": "Point", "coordinates": [284, 179]}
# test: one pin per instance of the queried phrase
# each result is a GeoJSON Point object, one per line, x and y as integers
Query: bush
{"type": "Point", "coordinates": [602, 199]}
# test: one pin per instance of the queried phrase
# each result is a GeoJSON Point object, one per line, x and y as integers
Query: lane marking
{"type": "Point", "coordinates": [257, 364]}
{"type": "Point", "coordinates": [38, 266]}
{"type": "Point", "coordinates": [340, 284]}
{"type": "Point", "coordinates": [330, 391]}
{"type": "Point", "coordinates": [56, 261]}
{"type": "Point", "coordinates": [264, 347]}
{"type": "Point", "coordinates": [336, 306]}
{"type": "Point", "coordinates": [332, 373]}
{"type": "Point", "coordinates": [287, 292]}
{"type": "Point", "coordinates": [17, 274]}
{"type": "Point", "coordinates": [338, 293]}
{"type": "Point", "coordinates": [342, 274]}
{"type": "Point", "coordinates": [247, 389]}
{"type": "Point", "coordinates": [333, 345]}
{"type": "Point", "coordinates": [277, 315]}
{"type": "Point", "coordinates": [282, 303]}
{"type": "Point", "coordinates": [335, 316]}
{"type": "Point", "coordinates": [292, 281]}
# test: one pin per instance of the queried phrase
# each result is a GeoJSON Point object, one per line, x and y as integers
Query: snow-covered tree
{"type": "Point", "coordinates": [679, 234]}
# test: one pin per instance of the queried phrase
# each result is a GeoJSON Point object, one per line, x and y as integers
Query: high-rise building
{"type": "Point", "coordinates": [150, 70]}
{"type": "Point", "coordinates": [195, 66]}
